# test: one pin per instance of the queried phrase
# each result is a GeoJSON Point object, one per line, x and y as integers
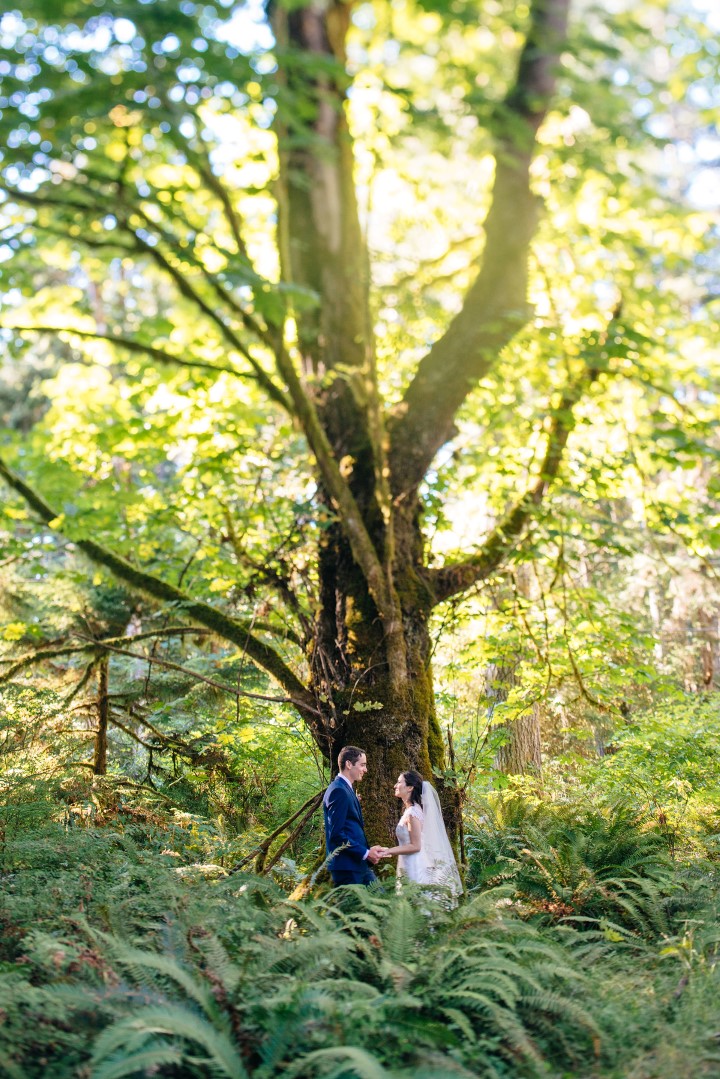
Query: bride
{"type": "Point", "coordinates": [424, 853]}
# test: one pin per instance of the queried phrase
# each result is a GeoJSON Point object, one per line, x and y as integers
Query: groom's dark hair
{"type": "Point", "coordinates": [349, 753]}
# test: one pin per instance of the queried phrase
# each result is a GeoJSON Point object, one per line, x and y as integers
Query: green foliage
{"type": "Point", "coordinates": [581, 941]}
{"type": "Point", "coordinates": [231, 979]}
{"type": "Point", "coordinates": [669, 757]}
{"type": "Point", "coordinates": [146, 155]}
{"type": "Point", "coordinates": [607, 868]}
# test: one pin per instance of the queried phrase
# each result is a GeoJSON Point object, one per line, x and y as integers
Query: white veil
{"type": "Point", "coordinates": [438, 854]}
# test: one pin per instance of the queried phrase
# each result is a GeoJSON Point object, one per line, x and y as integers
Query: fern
{"type": "Point", "coordinates": [402, 931]}
{"type": "Point", "coordinates": [147, 968]}
{"type": "Point", "coordinates": [172, 1020]}
{"type": "Point", "coordinates": [565, 862]}
{"type": "Point", "coordinates": [149, 1061]}
{"type": "Point", "coordinates": [158, 977]}
{"type": "Point", "coordinates": [9, 1069]}
{"type": "Point", "coordinates": [342, 1062]}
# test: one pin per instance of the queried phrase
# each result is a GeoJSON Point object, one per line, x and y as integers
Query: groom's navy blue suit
{"type": "Point", "coordinates": [344, 828]}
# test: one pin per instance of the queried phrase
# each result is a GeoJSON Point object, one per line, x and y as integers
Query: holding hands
{"type": "Point", "coordinates": [373, 856]}
{"type": "Point", "coordinates": [376, 853]}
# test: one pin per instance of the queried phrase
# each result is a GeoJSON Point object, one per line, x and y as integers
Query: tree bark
{"type": "Point", "coordinates": [103, 715]}
{"type": "Point", "coordinates": [521, 754]}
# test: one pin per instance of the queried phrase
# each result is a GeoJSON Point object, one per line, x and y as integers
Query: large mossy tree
{"type": "Point", "coordinates": [187, 204]}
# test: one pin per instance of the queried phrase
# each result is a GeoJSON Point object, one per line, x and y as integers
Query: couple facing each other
{"type": "Point", "coordinates": [423, 852]}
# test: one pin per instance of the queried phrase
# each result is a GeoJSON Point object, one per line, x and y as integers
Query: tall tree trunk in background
{"type": "Point", "coordinates": [694, 620]}
{"type": "Point", "coordinates": [521, 754]}
{"type": "Point", "coordinates": [103, 713]}
{"type": "Point", "coordinates": [708, 625]}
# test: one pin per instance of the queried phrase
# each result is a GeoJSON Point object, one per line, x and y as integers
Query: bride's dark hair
{"type": "Point", "coordinates": [414, 780]}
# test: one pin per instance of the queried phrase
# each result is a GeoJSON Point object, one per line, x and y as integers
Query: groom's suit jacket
{"type": "Point", "coordinates": [344, 825]}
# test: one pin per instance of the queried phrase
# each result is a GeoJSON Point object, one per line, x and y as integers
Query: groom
{"type": "Point", "coordinates": [344, 826]}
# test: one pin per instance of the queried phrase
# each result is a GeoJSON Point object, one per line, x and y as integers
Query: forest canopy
{"type": "Point", "coordinates": [358, 385]}
{"type": "Point", "coordinates": [323, 327]}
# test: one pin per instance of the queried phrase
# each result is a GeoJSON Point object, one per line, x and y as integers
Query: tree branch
{"type": "Point", "coordinates": [272, 576]}
{"type": "Point", "coordinates": [126, 730]}
{"type": "Point", "coordinates": [262, 848]}
{"type": "Point", "coordinates": [223, 625]}
{"type": "Point", "coordinates": [32, 658]}
{"type": "Point", "coordinates": [496, 306]}
{"type": "Point", "coordinates": [42, 201]}
{"type": "Point", "coordinates": [411, 276]}
{"type": "Point", "coordinates": [452, 579]}
{"type": "Point", "coordinates": [136, 346]}
{"type": "Point", "coordinates": [275, 393]}
{"type": "Point", "coordinates": [199, 158]}
{"type": "Point", "coordinates": [203, 758]}
{"type": "Point", "coordinates": [194, 674]}
{"type": "Point", "coordinates": [351, 520]}
{"type": "Point", "coordinates": [211, 280]}
{"type": "Point", "coordinates": [264, 866]}
{"type": "Point", "coordinates": [184, 287]}
{"type": "Point", "coordinates": [41, 654]}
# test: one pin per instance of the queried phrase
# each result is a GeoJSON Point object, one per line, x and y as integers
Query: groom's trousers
{"type": "Point", "coordinates": [352, 876]}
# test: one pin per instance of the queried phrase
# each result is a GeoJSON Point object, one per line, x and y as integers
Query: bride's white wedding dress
{"type": "Point", "coordinates": [435, 862]}
{"type": "Point", "coordinates": [411, 866]}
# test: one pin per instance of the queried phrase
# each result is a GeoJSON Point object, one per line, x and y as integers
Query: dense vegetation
{"type": "Point", "coordinates": [584, 947]}
{"type": "Point", "coordinates": [359, 384]}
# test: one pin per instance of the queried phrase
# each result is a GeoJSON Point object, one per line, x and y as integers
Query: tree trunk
{"type": "Point", "coordinates": [323, 249]}
{"type": "Point", "coordinates": [103, 711]}
{"type": "Point", "coordinates": [397, 730]}
{"type": "Point", "coordinates": [708, 621]}
{"type": "Point", "coordinates": [521, 754]}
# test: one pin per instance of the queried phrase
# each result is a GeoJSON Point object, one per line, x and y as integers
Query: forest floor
{"type": "Point", "coordinates": [586, 946]}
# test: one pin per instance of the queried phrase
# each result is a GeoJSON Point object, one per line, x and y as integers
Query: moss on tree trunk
{"type": "Point", "coordinates": [103, 714]}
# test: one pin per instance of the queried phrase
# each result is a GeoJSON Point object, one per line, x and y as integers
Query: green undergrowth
{"type": "Point", "coordinates": [583, 949]}
{"type": "Point", "coordinates": [610, 865]}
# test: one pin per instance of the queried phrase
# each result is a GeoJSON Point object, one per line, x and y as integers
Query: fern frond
{"type": "Point", "coordinates": [343, 1061]}
{"type": "Point", "coordinates": [461, 1021]}
{"type": "Point", "coordinates": [10, 1070]}
{"type": "Point", "coordinates": [219, 962]}
{"type": "Point", "coordinates": [139, 963]}
{"type": "Point", "coordinates": [146, 1062]}
{"type": "Point", "coordinates": [171, 1021]}
{"type": "Point", "coordinates": [402, 930]}
{"type": "Point", "coordinates": [306, 954]}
